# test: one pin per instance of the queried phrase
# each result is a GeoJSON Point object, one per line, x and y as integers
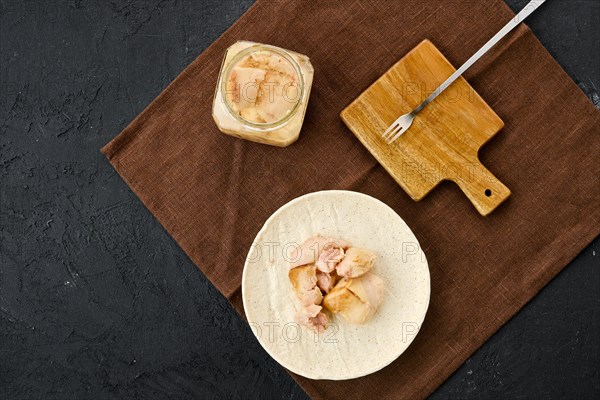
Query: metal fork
{"type": "Point", "coordinates": [401, 125]}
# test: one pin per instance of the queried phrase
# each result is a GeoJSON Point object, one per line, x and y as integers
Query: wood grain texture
{"type": "Point", "coordinates": [445, 138]}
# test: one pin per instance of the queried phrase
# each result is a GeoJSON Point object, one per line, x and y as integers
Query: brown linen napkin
{"type": "Point", "coordinates": [213, 192]}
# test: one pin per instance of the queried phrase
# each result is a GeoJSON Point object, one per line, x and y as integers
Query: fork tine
{"type": "Point", "coordinates": [399, 133]}
{"type": "Point", "coordinates": [390, 129]}
{"type": "Point", "coordinates": [398, 128]}
{"type": "Point", "coordinates": [392, 132]}
{"type": "Point", "coordinates": [388, 132]}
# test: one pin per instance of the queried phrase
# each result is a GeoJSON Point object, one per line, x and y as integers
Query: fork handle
{"type": "Point", "coordinates": [520, 17]}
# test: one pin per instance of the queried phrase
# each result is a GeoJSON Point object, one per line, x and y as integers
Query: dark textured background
{"type": "Point", "coordinates": [98, 302]}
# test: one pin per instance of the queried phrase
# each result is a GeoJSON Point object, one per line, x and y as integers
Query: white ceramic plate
{"type": "Point", "coordinates": [344, 351]}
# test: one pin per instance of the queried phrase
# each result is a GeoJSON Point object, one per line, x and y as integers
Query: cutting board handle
{"type": "Point", "coordinates": [485, 191]}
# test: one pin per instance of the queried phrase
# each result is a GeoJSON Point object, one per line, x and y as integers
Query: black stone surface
{"type": "Point", "coordinates": [98, 302]}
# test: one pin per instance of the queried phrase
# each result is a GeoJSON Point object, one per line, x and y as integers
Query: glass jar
{"type": "Point", "coordinates": [262, 93]}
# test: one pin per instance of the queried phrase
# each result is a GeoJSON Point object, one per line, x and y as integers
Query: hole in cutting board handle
{"type": "Point", "coordinates": [488, 192]}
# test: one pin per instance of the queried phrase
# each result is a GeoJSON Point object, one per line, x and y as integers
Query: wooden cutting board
{"type": "Point", "coordinates": [445, 138]}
